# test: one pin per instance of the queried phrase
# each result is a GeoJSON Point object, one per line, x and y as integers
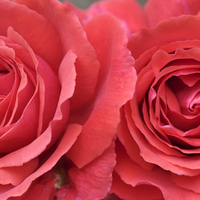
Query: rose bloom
{"type": "Point", "coordinates": [61, 88]}
{"type": "Point", "coordinates": [158, 147]}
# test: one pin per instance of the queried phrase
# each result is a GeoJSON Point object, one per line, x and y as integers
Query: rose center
{"type": "Point", "coordinates": [188, 96]}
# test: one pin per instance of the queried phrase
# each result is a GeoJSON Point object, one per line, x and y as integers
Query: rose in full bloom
{"type": "Point", "coordinates": [158, 148]}
{"type": "Point", "coordinates": [61, 89]}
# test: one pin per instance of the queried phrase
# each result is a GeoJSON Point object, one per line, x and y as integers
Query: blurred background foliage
{"type": "Point", "coordinates": [86, 3]}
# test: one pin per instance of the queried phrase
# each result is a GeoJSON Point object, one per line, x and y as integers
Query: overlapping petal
{"type": "Point", "coordinates": [73, 38]}
{"type": "Point", "coordinates": [116, 77]}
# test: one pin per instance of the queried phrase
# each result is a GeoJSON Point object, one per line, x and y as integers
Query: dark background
{"type": "Point", "coordinates": [86, 3]}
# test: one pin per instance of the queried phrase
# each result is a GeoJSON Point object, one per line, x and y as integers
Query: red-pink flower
{"type": "Point", "coordinates": [61, 90]}
{"type": "Point", "coordinates": [159, 134]}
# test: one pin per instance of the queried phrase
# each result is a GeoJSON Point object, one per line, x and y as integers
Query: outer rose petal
{"type": "Point", "coordinates": [73, 38]}
{"type": "Point", "coordinates": [115, 87]}
{"type": "Point", "coordinates": [93, 181]}
{"type": "Point", "coordinates": [129, 12]}
{"type": "Point", "coordinates": [170, 8]}
{"type": "Point", "coordinates": [184, 28]}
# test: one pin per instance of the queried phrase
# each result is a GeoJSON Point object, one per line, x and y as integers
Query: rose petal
{"type": "Point", "coordinates": [115, 87]}
{"type": "Point", "coordinates": [130, 145]}
{"type": "Point", "coordinates": [184, 28]}
{"type": "Point", "coordinates": [185, 182]}
{"type": "Point", "coordinates": [168, 9]}
{"type": "Point", "coordinates": [15, 175]}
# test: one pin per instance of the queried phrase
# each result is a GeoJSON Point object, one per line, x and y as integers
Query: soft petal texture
{"type": "Point", "coordinates": [129, 12]}
{"type": "Point", "coordinates": [93, 181]}
{"type": "Point", "coordinates": [73, 38]}
{"type": "Point", "coordinates": [168, 9]}
{"type": "Point", "coordinates": [117, 73]}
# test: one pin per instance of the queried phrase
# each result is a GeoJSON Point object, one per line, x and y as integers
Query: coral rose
{"type": "Point", "coordinates": [158, 150]}
{"type": "Point", "coordinates": [58, 87]}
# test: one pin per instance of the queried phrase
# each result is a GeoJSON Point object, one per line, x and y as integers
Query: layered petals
{"type": "Point", "coordinates": [158, 148]}
{"type": "Point", "coordinates": [38, 78]}
{"type": "Point", "coordinates": [23, 155]}
{"type": "Point", "coordinates": [116, 74]}
{"type": "Point", "coordinates": [73, 38]}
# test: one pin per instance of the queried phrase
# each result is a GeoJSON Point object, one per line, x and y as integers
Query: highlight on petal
{"type": "Point", "coordinates": [115, 87]}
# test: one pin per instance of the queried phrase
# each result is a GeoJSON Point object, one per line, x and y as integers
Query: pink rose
{"type": "Point", "coordinates": [158, 151]}
{"type": "Point", "coordinates": [61, 90]}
